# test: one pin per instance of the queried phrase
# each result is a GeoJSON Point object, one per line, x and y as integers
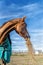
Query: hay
{"type": "Point", "coordinates": [31, 51]}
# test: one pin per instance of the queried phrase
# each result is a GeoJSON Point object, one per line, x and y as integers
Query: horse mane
{"type": "Point", "coordinates": [9, 21]}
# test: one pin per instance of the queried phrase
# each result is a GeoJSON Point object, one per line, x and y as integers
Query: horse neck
{"type": "Point", "coordinates": [6, 29]}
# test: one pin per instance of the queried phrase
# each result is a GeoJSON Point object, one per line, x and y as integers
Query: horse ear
{"type": "Point", "coordinates": [23, 18]}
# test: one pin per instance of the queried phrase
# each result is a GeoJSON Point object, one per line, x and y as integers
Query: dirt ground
{"type": "Point", "coordinates": [25, 59]}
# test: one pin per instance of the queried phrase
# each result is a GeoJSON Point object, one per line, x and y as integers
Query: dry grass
{"type": "Point", "coordinates": [25, 59]}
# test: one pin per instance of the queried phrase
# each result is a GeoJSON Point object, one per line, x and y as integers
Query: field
{"type": "Point", "coordinates": [25, 59]}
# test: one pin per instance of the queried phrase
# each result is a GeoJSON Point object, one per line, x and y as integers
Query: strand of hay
{"type": "Point", "coordinates": [31, 50]}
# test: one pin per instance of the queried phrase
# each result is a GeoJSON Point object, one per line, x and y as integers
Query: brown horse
{"type": "Point", "coordinates": [19, 26]}
{"type": "Point", "coordinates": [16, 24]}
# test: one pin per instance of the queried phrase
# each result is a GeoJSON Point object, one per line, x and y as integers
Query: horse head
{"type": "Point", "coordinates": [21, 28]}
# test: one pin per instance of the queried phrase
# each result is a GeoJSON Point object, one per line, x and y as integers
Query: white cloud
{"type": "Point", "coordinates": [37, 47]}
{"type": "Point", "coordinates": [9, 16]}
{"type": "Point", "coordinates": [36, 30]}
{"type": "Point", "coordinates": [29, 10]}
{"type": "Point", "coordinates": [32, 10]}
{"type": "Point", "coordinates": [37, 39]}
{"type": "Point", "coordinates": [8, 11]}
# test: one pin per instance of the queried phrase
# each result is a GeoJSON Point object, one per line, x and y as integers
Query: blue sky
{"type": "Point", "coordinates": [33, 10]}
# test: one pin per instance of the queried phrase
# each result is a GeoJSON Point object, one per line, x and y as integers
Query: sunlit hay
{"type": "Point", "coordinates": [31, 50]}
